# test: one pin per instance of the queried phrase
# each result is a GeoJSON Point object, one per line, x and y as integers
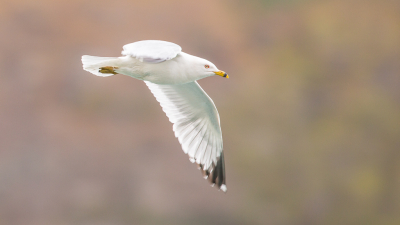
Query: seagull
{"type": "Point", "coordinates": [171, 76]}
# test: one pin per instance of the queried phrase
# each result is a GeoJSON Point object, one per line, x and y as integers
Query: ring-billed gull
{"type": "Point", "coordinates": [171, 76]}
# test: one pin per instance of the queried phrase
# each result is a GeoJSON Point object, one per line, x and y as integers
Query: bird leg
{"type": "Point", "coordinates": [108, 69]}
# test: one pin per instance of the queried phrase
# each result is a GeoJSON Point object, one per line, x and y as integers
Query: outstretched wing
{"type": "Point", "coordinates": [196, 125]}
{"type": "Point", "coordinates": [152, 51]}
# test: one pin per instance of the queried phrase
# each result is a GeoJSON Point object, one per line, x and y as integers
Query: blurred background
{"type": "Point", "coordinates": [310, 115]}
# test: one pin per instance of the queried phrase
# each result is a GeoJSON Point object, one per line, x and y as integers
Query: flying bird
{"type": "Point", "coordinates": [171, 76]}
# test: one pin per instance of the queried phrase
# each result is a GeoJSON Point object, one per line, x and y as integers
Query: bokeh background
{"type": "Point", "coordinates": [310, 116]}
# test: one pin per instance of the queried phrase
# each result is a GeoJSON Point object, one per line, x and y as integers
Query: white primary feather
{"type": "Point", "coordinates": [195, 119]}
{"type": "Point", "coordinates": [152, 51]}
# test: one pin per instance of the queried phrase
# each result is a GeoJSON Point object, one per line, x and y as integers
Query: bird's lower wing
{"type": "Point", "coordinates": [196, 125]}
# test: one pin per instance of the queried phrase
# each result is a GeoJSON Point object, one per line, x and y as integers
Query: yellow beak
{"type": "Point", "coordinates": [222, 74]}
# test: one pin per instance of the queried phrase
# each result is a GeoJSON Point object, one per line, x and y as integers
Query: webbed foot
{"type": "Point", "coordinates": [108, 69]}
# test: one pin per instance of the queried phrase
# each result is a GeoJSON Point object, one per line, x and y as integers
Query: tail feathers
{"type": "Point", "coordinates": [92, 64]}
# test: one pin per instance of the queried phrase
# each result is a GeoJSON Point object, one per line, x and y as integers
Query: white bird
{"type": "Point", "coordinates": [171, 76]}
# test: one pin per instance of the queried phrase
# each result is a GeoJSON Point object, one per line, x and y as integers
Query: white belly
{"type": "Point", "coordinates": [167, 72]}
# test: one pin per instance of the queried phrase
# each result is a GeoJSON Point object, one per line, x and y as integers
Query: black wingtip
{"type": "Point", "coordinates": [217, 175]}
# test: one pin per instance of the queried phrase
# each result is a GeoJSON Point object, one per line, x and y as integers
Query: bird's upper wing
{"type": "Point", "coordinates": [152, 51]}
{"type": "Point", "coordinates": [196, 125]}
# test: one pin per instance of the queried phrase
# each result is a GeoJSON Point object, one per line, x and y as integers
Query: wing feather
{"type": "Point", "coordinates": [152, 51]}
{"type": "Point", "coordinates": [196, 125]}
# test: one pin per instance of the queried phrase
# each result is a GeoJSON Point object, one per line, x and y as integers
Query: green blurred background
{"type": "Point", "coordinates": [310, 116]}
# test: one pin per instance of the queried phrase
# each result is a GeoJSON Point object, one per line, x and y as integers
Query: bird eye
{"type": "Point", "coordinates": [206, 66]}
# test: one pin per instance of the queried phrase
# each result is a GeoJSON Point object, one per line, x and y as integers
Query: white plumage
{"type": "Point", "coordinates": [152, 51]}
{"type": "Point", "coordinates": [171, 76]}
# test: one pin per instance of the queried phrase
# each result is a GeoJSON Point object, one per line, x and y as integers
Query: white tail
{"type": "Point", "coordinates": [92, 64]}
